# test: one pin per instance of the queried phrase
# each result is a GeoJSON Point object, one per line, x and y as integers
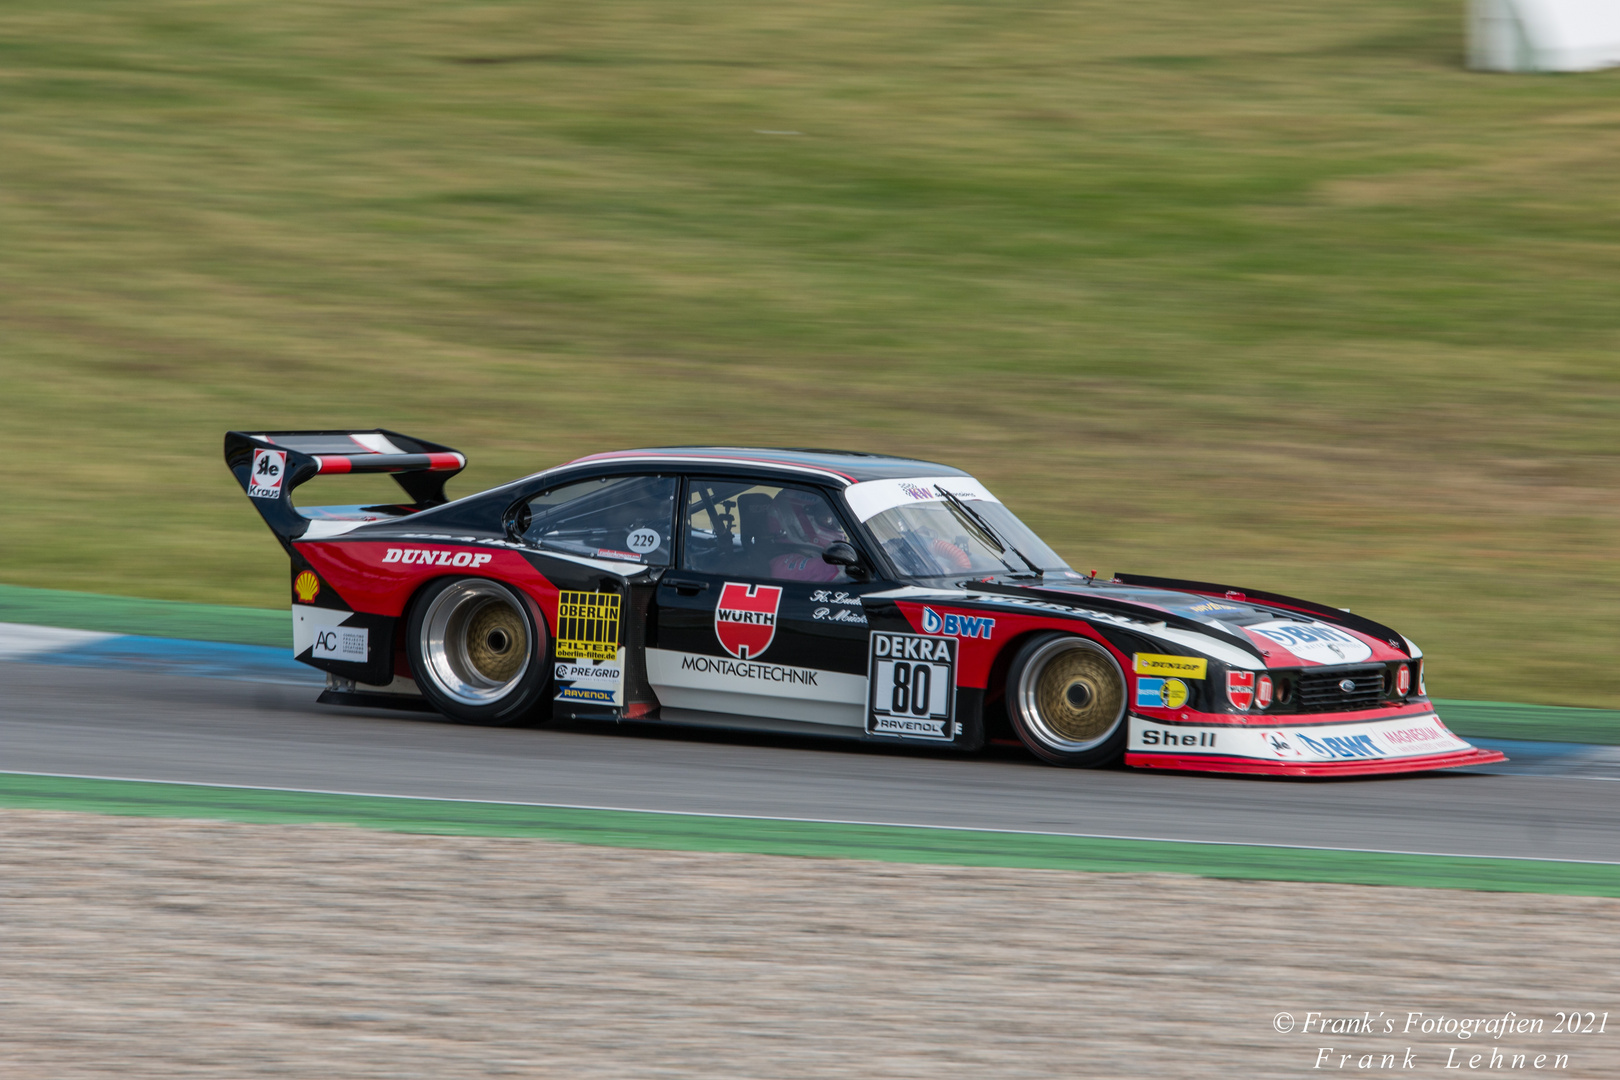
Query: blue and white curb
{"type": "Point", "coordinates": [1579, 761]}
{"type": "Point", "coordinates": [158, 656]}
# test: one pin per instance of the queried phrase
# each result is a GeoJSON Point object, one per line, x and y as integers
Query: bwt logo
{"type": "Point", "coordinates": [1341, 746]}
{"type": "Point", "coordinates": [969, 626]}
{"type": "Point", "coordinates": [432, 557]}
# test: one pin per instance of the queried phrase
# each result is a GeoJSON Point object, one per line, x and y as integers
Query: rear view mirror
{"type": "Point", "coordinates": [841, 554]}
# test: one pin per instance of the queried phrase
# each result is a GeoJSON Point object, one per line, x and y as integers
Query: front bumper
{"type": "Point", "coordinates": [1319, 746]}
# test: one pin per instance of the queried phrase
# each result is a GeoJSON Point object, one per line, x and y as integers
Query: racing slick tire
{"type": "Point", "coordinates": [478, 651]}
{"type": "Point", "coordinates": [1066, 700]}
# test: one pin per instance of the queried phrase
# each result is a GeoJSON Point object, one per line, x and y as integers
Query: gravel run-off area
{"type": "Point", "coordinates": [167, 948]}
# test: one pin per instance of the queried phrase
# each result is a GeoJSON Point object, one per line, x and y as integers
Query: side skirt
{"type": "Point", "coordinates": [734, 722]}
{"type": "Point", "coordinates": [400, 694]}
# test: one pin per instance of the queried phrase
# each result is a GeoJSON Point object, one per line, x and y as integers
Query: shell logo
{"type": "Point", "coordinates": [306, 586]}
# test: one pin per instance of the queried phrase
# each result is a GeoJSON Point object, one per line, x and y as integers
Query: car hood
{"type": "Point", "coordinates": [1274, 629]}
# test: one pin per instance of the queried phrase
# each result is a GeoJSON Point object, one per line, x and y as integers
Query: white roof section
{"type": "Point", "coordinates": [1543, 35]}
{"type": "Point", "coordinates": [871, 497]}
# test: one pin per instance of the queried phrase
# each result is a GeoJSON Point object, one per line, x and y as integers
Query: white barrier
{"type": "Point", "coordinates": [1543, 35]}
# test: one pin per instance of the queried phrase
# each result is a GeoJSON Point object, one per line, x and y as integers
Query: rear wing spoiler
{"type": "Point", "coordinates": [270, 464]}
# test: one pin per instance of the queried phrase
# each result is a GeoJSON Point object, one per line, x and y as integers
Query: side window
{"type": "Point", "coordinates": [614, 517]}
{"type": "Point", "coordinates": [760, 531]}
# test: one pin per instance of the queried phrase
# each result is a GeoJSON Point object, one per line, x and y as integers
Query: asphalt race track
{"type": "Point", "coordinates": [88, 722]}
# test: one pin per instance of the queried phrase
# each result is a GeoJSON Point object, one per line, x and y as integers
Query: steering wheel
{"type": "Point", "coordinates": [906, 558]}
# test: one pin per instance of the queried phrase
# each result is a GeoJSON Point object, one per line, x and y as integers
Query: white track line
{"type": "Point", "coordinates": [816, 821]}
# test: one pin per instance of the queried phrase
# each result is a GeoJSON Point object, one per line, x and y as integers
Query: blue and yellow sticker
{"type": "Point", "coordinates": [1160, 693]}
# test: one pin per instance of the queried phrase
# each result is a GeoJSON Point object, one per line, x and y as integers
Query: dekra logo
{"type": "Point", "coordinates": [907, 647]}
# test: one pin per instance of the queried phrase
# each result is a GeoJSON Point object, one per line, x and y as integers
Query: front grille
{"type": "Point", "coordinates": [1318, 690]}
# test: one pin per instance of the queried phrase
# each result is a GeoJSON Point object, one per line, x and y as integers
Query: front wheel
{"type": "Point", "coordinates": [478, 651]}
{"type": "Point", "coordinates": [1066, 700]}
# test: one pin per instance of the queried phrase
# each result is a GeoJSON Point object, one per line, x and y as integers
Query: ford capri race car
{"type": "Point", "coordinates": [811, 591]}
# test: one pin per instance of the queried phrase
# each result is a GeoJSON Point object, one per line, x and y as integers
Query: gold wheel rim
{"type": "Point", "coordinates": [496, 642]}
{"type": "Point", "coordinates": [476, 642]}
{"type": "Point", "coordinates": [1072, 695]}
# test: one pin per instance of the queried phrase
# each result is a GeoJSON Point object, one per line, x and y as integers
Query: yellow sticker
{"type": "Point", "coordinates": [306, 586]}
{"type": "Point", "coordinates": [1188, 667]}
{"type": "Point", "coordinates": [1173, 693]}
{"type": "Point", "coordinates": [588, 625]}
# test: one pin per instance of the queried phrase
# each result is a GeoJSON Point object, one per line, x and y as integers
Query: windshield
{"type": "Point", "coordinates": [928, 535]}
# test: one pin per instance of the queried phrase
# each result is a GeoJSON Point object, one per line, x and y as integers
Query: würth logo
{"type": "Point", "coordinates": [745, 621]}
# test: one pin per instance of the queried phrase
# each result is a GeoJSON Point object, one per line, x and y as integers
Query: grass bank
{"type": "Point", "coordinates": [1269, 293]}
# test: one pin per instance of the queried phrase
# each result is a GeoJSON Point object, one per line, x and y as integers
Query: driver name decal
{"type": "Point", "coordinates": [745, 619]}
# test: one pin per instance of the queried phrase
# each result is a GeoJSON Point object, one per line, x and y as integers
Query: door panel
{"type": "Point", "coordinates": [744, 626]}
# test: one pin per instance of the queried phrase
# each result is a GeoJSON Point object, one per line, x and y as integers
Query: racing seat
{"type": "Point", "coordinates": [753, 525]}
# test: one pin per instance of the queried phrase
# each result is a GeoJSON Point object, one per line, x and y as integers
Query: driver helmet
{"type": "Point", "coordinates": [805, 518]}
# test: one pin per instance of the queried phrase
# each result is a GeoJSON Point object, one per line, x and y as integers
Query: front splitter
{"type": "Point", "coordinates": [1361, 767]}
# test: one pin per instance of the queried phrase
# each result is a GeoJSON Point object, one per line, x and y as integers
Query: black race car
{"type": "Point", "coordinates": [811, 591]}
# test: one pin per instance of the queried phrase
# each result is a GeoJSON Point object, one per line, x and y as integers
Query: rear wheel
{"type": "Point", "coordinates": [478, 651]}
{"type": "Point", "coordinates": [1066, 700]}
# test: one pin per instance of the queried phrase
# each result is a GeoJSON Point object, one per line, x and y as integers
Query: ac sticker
{"type": "Point", "coordinates": [350, 643]}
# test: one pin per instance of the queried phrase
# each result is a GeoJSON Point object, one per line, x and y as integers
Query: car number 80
{"type": "Point", "coordinates": [913, 685]}
{"type": "Point", "coordinates": [911, 688]}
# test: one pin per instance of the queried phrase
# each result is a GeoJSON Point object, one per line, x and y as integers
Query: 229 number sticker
{"type": "Point", "coordinates": [911, 681]}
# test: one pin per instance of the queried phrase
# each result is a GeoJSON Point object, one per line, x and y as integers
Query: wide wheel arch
{"type": "Point", "coordinates": [470, 683]}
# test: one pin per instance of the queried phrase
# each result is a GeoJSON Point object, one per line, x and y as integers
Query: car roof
{"type": "Point", "coordinates": [847, 466]}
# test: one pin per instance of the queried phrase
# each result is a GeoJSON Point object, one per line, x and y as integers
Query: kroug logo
{"type": "Point", "coordinates": [269, 467]}
{"type": "Point", "coordinates": [969, 626]}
